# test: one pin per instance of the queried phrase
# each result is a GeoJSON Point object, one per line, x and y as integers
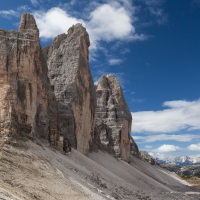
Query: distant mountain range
{"type": "Point", "coordinates": [179, 160]}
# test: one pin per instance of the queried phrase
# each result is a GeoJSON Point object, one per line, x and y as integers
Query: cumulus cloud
{"type": "Point", "coordinates": [109, 22]}
{"type": "Point", "coordinates": [167, 148]}
{"type": "Point", "coordinates": [164, 137]}
{"type": "Point", "coordinates": [54, 22]}
{"type": "Point", "coordinates": [106, 22]}
{"type": "Point", "coordinates": [180, 115]}
{"type": "Point", "coordinates": [194, 147]}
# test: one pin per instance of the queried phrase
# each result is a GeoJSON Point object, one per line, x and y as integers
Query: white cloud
{"type": "Point", "coordinates": [115, 61]}
{"type": "Point", "coordinates": [194, 147]}
{"type": "Point", "coordinates": [148, 146]}
{"type": "Point", "coordinates": [54, 22]}
{"type": "Point", "coordinates": [177, 104]}
{"type": "Point", "coordinates": [9, 13]}
{"type": "Point", "coordinates": [181, 115]}
{"type": "Point", "coordinates": [167, 148]}
{"type": "Point", "coordinates": [106, 22]}
{"type": "Point", "coordinates": [165, 137]}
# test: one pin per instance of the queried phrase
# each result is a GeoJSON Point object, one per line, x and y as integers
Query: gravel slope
{"type": "Point", "coordinates": [31, 171]}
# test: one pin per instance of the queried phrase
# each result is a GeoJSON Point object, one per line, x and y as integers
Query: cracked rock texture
{"type": "Point", "coordinates": [134, 148]}
{"type": "Point", "coordinates": [27, 103]}
{"type": "Point", "coordinates": [71, 80]}
{"type": "Point", "coordinates": [146, 157]}
{"type": "Point", "coordinates": [113, 118]}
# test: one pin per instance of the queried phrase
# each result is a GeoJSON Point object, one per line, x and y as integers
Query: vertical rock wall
{"type": "Point", "coordinates": [27, 103]}
{"type": "Point", "coordinates": [31, 105]}
{"type": "Point", "coordinates": [113, 118]}
{"type": "Point", "coordinates": [73, 86]}
{"type": "Point", "coordinates": [134, 148]}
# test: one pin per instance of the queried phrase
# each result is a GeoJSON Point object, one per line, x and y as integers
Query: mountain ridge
{"type": "Point", "coordinates": [178, 160]}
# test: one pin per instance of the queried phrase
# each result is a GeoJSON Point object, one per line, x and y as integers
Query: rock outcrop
{"type": "Point", "coordinates": [27, 103]}
{"type": "Point", "coordinates": [134, 148]}
{"type": "Point", "coordinates": [113, 118]}
{"type": "Point", "coordinates": [71, 80]}
{"type": "Point", "coordinates": [146, 157]}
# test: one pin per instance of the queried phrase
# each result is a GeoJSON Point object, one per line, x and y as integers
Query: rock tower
{"type": "Point", "coordinates": [27, 103]}
{"type": "Point", "coordinates": [113, 118]}
{"type": "Point", "coordinates": [71, 80]}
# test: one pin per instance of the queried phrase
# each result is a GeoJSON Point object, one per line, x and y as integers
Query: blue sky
{"type": "Point", "coordinates": [152, 46]}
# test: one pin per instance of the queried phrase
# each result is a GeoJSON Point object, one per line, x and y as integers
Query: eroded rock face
{"type": "Point", "coordinates": [146, 157]}
{"type": "Point", "coordinates": [134, 148]}
{"type": "Point", "coordinates": [73, 86]}
{"type": "Point", "coordinates": [113, 118]}
{"type": "Point", "coordinates": [27, 103]}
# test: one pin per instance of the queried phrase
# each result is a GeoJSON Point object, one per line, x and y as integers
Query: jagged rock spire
{"type": "Point", "coordinates": [28, 22]}
{"type": "Point", "coordinates": [134, 148]}
{"type": "Point", "coordinates": [113, 118]}
{"type": "Point", "coordinates": [69, 73]}
{"type": "Point", "coordinates": [27, 103]}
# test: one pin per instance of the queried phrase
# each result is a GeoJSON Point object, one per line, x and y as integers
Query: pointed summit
{"type": "Point", "coordinates": [27, 22]}
{"type": "Point", "coordinates": [27, 103]}
{"type": "Point", "coordinates": [71, 80]}
{"type": "Point", "coordinates": [113, 118]}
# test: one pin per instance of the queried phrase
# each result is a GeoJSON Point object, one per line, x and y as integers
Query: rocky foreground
{"type": "Point", "coordinates": [32, 170]}
{"type": "Point", "coordinates": [60, 136]}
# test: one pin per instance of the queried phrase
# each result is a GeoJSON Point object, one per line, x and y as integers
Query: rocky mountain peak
{"type": "Point", "coordinates": [27, 103]}
{"type": "Point", "coordinates": [84, 41]}
{"type": "Point", "coordinates": [71, 80]}
{"type": "Point", "coordinates": [148, 158]}
{"type": "Point", "coordinates": [113, 118]}
{"type": "Point", "coordinates": [28, 22]}
{"type": "Point", "coordinates": [45, 94]}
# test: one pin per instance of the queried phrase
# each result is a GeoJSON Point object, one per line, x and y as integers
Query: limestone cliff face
{"type": "Point", "coordinates": [134, 148]}
{"type": "Point", "coordinates": [113, 118]}
{"type": "Point", "coordinates": [27, 103]}
{"type": "Point", "coordinates": [70, 77]}
{"type": "Point", "coordinates": [146, 157]}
